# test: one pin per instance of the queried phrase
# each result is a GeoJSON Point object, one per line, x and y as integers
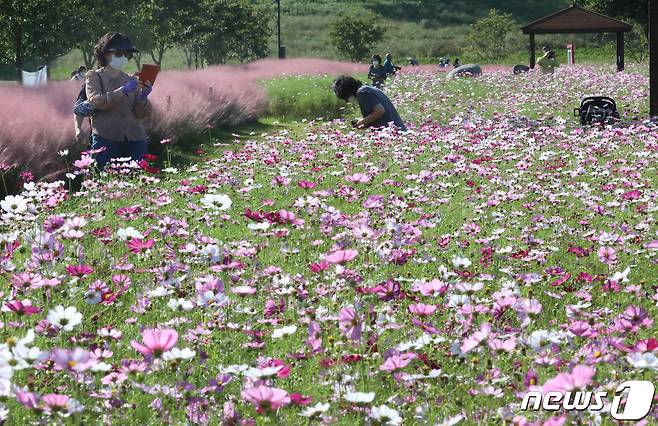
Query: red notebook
{"type": "Point", "coordinates": [148, 73]}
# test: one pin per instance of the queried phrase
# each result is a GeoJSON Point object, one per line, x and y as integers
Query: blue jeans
{"type": "Point", "coordinates": [134, 149]}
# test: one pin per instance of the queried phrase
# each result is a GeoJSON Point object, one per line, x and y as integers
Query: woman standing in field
{"type": "Point", "coordinates": [120, 100]}
{"type": "Point", "coordinates": [377, 73]}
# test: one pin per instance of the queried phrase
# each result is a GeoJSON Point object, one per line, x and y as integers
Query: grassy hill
{"type": "Point", "coordinates": [424, 28]}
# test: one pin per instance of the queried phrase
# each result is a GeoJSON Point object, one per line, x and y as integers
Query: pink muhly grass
{"type": "Point", "coordinates": [156, 342]}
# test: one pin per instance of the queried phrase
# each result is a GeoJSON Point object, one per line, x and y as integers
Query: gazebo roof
{"type": "Point", "coordinates": [575, 19]}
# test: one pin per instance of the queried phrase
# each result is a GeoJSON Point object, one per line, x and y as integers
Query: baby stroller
{"type": "Point", "coordinates": [597, 109]}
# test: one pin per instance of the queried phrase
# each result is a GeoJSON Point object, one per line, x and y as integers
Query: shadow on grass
{"type": "Point", "coordinates": [211, 142]}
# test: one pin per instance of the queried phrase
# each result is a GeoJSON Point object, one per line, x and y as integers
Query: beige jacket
{"type": "Point", "coordinates": [119, 116]}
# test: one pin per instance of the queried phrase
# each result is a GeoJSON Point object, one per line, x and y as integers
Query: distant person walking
{"type": "Point", "coordinates": [389, 67]}
{"type": "Point", "coordinates": [79, 75]}
{"type": "Point", "coordinates": [547, 63]}
{"type": "Point", "coordinates": [376, 108]}
{"type": "Point", "coordinates": [121, 101]}
{"type": "Point", "coordinates": [377, 73]}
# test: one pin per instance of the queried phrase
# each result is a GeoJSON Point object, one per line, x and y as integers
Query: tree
{"type": "Point", "coordinates": [354, 36]}
{"type": "Point", "coordinates": [37, 29]}
{"type": "Point", "coordinates": [636, 11]}
{"type": "Point", "coordinates": [233, 29]}
{"type": "Point", "coordinates": [487, 38]}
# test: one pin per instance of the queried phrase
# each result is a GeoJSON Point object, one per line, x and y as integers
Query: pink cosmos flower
{"type": "Point", "coordinates": [84, 162]}
{"type": "Point", "coordinates": [266, 399]}
{"type": "Point", "coordinates": [156, 342]}
{"type": "Point", "coordinates": [350, 323]}
{"type": "Point", "coordinates": [79, 270]}
{"type": "Point", "coordinates": [422, 309]}
{"type": "Point", "coordinates": [21, 307]}
{"type": "Point", "coordinates": [580, 377]}
{"type": "Point", "coordinates": [432, 288]}
{"type": "Point", "coordinates": [75, 360]}
{"type": "Point", "coordinates": [137, 245]}
{"type": "Point", "coordinates": [358, 178]}
{"type": "Point", "coordinates": [476, 338]}
{"type": "Point", "coordinates": [55, 401]}
{"type": "Point", "coordinates": [607, 255]}
{"type": "Point", "coordinates": [341, 256]}
{"type": "Point", "coordinates": [397, 362]}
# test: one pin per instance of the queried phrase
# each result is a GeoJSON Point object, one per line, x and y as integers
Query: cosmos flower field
{"type": "Point", "coordinates": [317, 275]}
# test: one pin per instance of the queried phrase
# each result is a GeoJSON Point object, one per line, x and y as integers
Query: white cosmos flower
{"type": "Point", "coordinates": [181, 304]}
{"type": "Point", "coordinates": [315, 410]}
{"type": "Point", "coordinates": [64, 318]}
{"type": "Point", "coordinates": [621, 277]}
{"type": "Point", "coordinates": [213, 253]}
{"type": "Point", "coordinates": [459, 262]}
{"type": "Point", "coordinates": [263, 373]}
{"type": "Point", "coordinates": [284, 331]}
{"type": "Point", "coordinates": [16, 204]}
{"type": "Point", "coordinates": [262, 226]}
{"type": "Point", "coordinates": [643, 360]}
{"type": "Point", "coordinates": [160, 291]}
{"type": "Point", "coordinates": [386, 415]}
{"type": "Point", "coordinates": [209, 297]}
{"type": "Point", "coordinates": [175, 353]}
{"type": "Point", "coordinates": [360, 397]}
{"type": "Point", "coordinates": [129, 232]}
{"type": "Point", "coordinates": [216, 201]}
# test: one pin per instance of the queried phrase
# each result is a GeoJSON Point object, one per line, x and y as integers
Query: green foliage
{"type": "Point", "coordinates": [355, 36]}
{"type": "Point", "coordinates": [39, 29]}
{"type": "Point", "coordinates": [302, 97]}
{"type": "Point", "coordinates": [487, 41]}
{"type": "Point", "coordinates": [633, 10]}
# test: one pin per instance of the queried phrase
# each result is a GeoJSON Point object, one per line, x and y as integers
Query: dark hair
{"type": "Point", "coordinates": [377, 57]}
{"type": "Point", "coordinates": [82, 68]}
{"type": "Point", "coordinates": [346, 86]}
{"type": "Point", "coordinates": [106, 44]}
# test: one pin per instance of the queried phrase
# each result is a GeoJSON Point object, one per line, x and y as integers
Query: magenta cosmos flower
{"type": "Point", "coordinates": [156, 342]}
{"type": "Point", "coordinates": [266, 398]}
{"type": "Point", "coordinates": [339, 257]}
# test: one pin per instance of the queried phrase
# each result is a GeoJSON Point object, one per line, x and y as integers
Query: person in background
{"type": "Point", "coordinates": [121, 102]}
{"type": "Point", "coordinates": [79, 75]}
{"type": "Point", "coordinates": [377, 73]}
{"type": "Point", "coordinates": [457, 63]}
{"type": "Point", "coordinates": [547, 63]}
{"type": "Point", "coordinates": [376, 108]}
{"type": "Point", "coordinates": [413, 61]}
{"type": "Point", "coordinates": [389, 67]}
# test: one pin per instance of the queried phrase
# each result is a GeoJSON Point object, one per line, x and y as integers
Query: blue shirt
{"type": "Point", "coordinates": [369, 97]}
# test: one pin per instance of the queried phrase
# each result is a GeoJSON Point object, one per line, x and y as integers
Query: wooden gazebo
{"type": "Point", "coordinates": [575, 19]}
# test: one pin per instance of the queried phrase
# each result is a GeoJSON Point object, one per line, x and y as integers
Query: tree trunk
{"type": "Point", "coordinates": [138, 59]}
{"type": "Point", "coordinates": [160, 51]}
{"type": "Point", "coordinates": [18, 42]}
{"type": "Point", "coordinates": [189, 56]}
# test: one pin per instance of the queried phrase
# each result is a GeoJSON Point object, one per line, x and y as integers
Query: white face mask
{"type": "Point", "coordinates": [375, 63]}
{"type": "Point", "coordinates": [353, 100]}
{"type": "Point", "coordinates": [118, 62]}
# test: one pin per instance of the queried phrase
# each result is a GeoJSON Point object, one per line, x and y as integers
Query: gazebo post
{"type": "Point", "coordinates": [620, 51]}
{"type": "Point", "coordinates": [653, 59]}
{"type": "Point", "coordinates": [532, 50]}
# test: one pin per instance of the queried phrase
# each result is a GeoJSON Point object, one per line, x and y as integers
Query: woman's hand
{"type": "Point", "coordinates": [146, 88]}
{"type": "Point", "coordinates": [130, 87]}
